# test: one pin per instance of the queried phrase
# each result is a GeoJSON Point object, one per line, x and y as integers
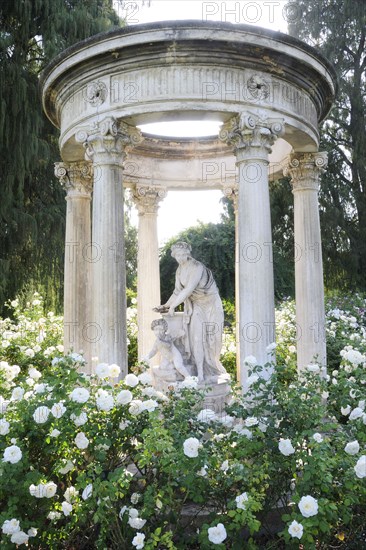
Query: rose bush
{"type": "Point", "coordinates": [88, 463]}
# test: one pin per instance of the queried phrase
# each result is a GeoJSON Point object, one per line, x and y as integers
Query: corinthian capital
{"type": "Point", "coordinates": [246, 131]}
{"type": "Point", "coordinates": [147, 198]}
{"type": "Point", "coordinates": [108, 140]}
{"type": "Point", "coordinates": [305, 170]}
{"type": "Point", "coordinates": [75, 177]}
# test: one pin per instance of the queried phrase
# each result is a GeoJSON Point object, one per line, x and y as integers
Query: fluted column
{"type": "Point", "coordinates": [76, 179]}
{"type": "Point", "coordinates": [147, 201]}
{"type": "Point", "coordinates": [232, 194]}
{"type": "Point", "coordinates": [106, 145]}
{"type": "Point", "coordinates": [252, 139]}
{"type": "Point", "coordinates": [305, 170]}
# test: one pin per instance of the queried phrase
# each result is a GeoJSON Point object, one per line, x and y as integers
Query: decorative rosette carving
{"type": "Point", "coordinates": [258, 87]}
{"type": "Point", "coordinates": [95, 93]}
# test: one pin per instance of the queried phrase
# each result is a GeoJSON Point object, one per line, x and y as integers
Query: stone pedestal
{"type": "Point", "coordinates": [76, 178]}
{"type": "Point", "coordinates": [148, 278]}
{"type": "Point", "coordinates": [252, 138]}
{"type": "Point", "coordinates": [305, 170]}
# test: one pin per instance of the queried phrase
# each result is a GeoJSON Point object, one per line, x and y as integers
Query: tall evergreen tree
{"type": "Point", "coordinates": [338, 29]}
{"type": "Point", "coordinates": [32, 206]}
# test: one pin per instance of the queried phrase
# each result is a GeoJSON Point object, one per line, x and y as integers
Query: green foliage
{"type": "Point", "coordinates": [166, 469]}
{"type": "Point", "coordinates": [32, 209]}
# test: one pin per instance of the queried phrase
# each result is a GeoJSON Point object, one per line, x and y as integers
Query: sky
{"type": "Point", "coordinates": [203, 206]}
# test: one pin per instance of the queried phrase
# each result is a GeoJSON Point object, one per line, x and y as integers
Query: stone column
{"type": "Point", "coordinates": [305, 170]}
{"type": "Point", "coordinates": [252, 138]}
{"type": "Point", "coordinates": [106, 145]}
{"type": "Point", "coordinates": [76, 179]}
{"type": "Point", "coordinates": [147, 201]}
{"type": "Point", "coordinates": [232, 194]}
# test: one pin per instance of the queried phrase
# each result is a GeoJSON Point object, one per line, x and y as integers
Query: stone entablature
{"type": "Point", "coordinates": [187, 69]}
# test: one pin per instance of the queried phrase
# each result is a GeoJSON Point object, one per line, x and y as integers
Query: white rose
{"type": "Point", "coordinates": [36, 490]}
{"type": "Point", "coordinates": [12, 454]}
{"type": "Point", "coordinates": [104, 400]}
{"type": "Point", "coordinates": [67, 467]}
{"type": "Point", "coordinates": [4, 426]}
{"type": "Point", "coordinates": [308, 506]}
{"type": "Point", "coordinates": [88, 491]}
{"type": "Point", "coordinates": [203, 471]}
{"type": "Point", "coordinates": [285, 447]}
{"type": "Point", "coordinates": [71, 494]}
{"type": "Point", "coordinates": [131, 380]}
{"type": "Point", "coordinates": [136, 407]}
{"type": "Point", "coordinates": [114, 371]}
{"type": "Point", "coordinates": [10, 526]}
{"type": "Point", "coordinates": [40, 388]}
{"type": "Point", "coordinates": [19, 537]}
{"type": "Point", "coordinates": [32, 532]}
{"type": "Point", "coordinates": [138, 541]}
{"type": "Point", "coordinates": [49, 489]}
{"type": "Point", "coordinates": [150, 405]}
{"type": "Point", "coordinates": [354, 357]}
{"type": "Point", "coordinates": [224, 466]}
{"type": "Point", "coordinates": [29, 352]}
{"type": "Point", "coordinates": [136, 523]}
{"type": "Point", "coordinates": [102, 370]}
{"type": "Point", "coordinates": [76, 357]}
{"type": "Point", "coordinates": [66, 508]}
{"type": "Point", "coordinates": [79, 420]}
{"type": "Point", "coordinates": [251, 421]}
{"type": "Point", "coordinates": [145, 378]}
{"type": "Point", "coordinates": [352, 448]}
{"type": "Point", "coordinates": [41, 414]}
{"type": "Point", "coordinates": [296, 530]}
{"type": "Point", "coordinates": [55, 433]}
{"type": "Point", "coordinates": [80, 395]}
{"type": "Point", "coordinates": [190, 382]}
{"type": "Point", "coordinates": [17, 394]}
{"type": "Point", "coordinates": [240, 501]}
{"type": "Point", "coordinates": [58, 410]}
{"type": "Point", "coordinates": [54, 515]}
{"type": "Point", "coordinates": [124, 397]}
{"type": "Point", "coordinates": [191, 446]}
{"type": "Point", "coordinates": [318, 437]}
{"type": "Point", "coordinates": [206, 416]}
{"type": "Point", "coordinates": [356, 413]}
{"type": "Point", "coordinates": [360, 467]}
{"type": "Point", "coordinates": [346, 410]}
{"type": "Point", "coordinates": [271, 347]}
{"type": "Point", "coordinates": [313, 367]}
{"type": "Point", "coordinates": [81, 441]}
{"type": "Point", "coordinates": [217, 534]}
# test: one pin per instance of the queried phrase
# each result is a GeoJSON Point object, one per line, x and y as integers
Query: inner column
{"type": "Point", "coordinates": [252, 138]}
{"type": "Point", "coordinates": [305, 170]}
{"type": "Point", "coordinates": [147, 201]}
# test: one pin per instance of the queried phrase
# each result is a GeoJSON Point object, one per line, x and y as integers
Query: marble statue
{"type": "Point", "coordinates": [171, 368]}
{"type": "Point", "coordinates": [203, 316]}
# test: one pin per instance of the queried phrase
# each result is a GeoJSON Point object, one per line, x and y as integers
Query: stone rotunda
{"type": "Point", "coordinates": [270, 92]}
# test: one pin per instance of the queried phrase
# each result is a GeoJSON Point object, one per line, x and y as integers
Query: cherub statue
{"type": "Point", "coordinates": [171, 362]}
